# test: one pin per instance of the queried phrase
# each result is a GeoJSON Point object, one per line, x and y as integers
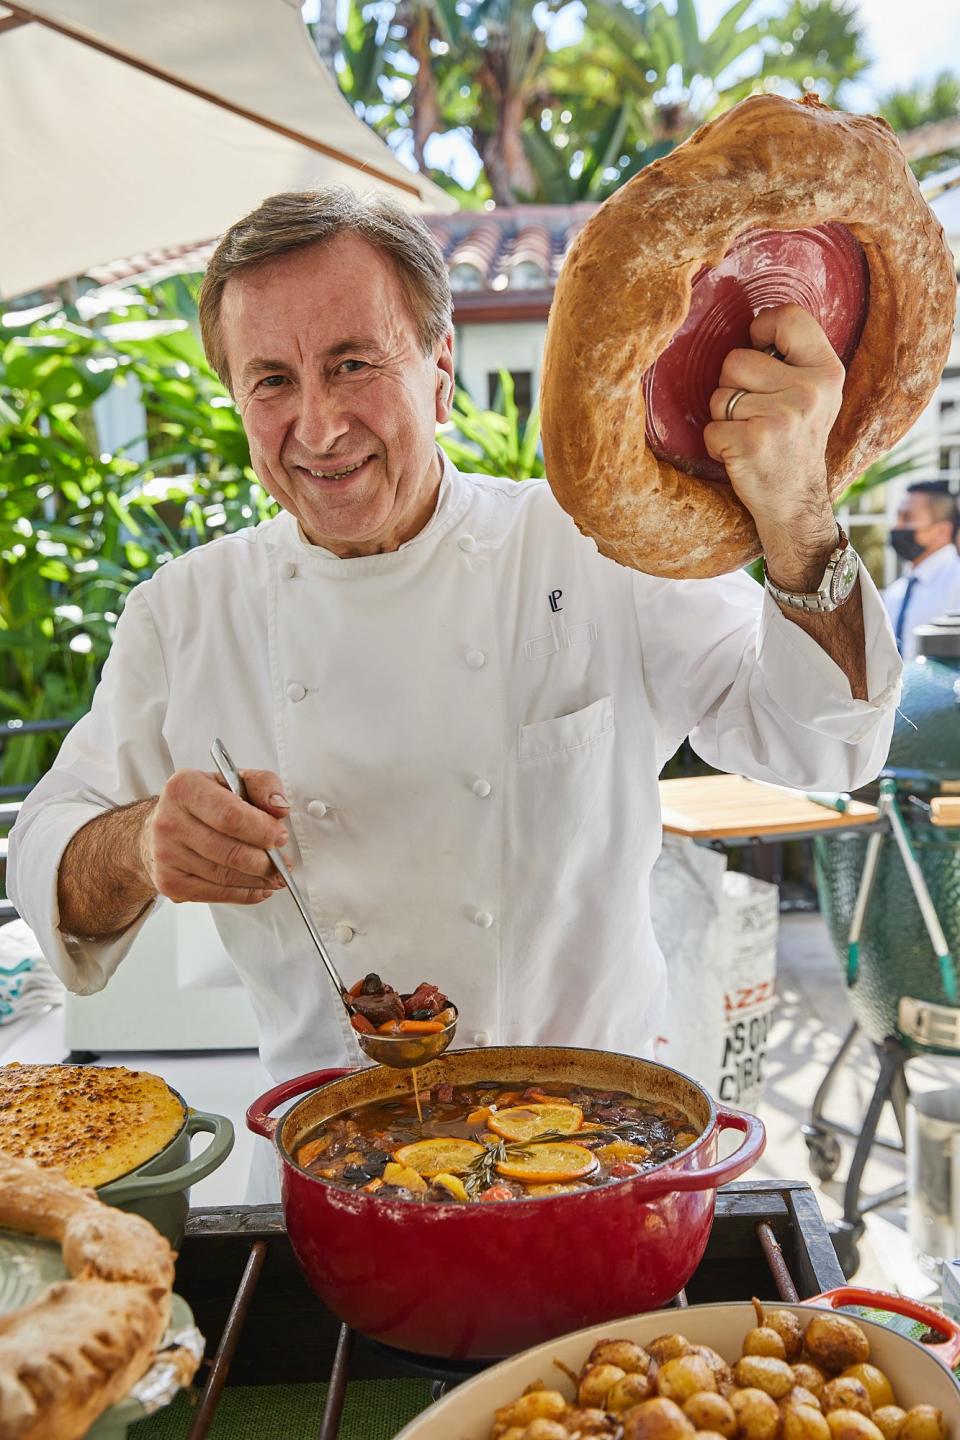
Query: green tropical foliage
{"type": "Point", "coordinates": [493, 442]}
{"type": "Point", "coordinates": [572, 123]}
{"type": "Point", "coordinates": [922, 104]}
{"type": "Point", "coordinates": [79, 527]}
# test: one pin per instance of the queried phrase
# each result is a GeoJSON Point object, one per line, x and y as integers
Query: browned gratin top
{"type": "Point", "coordinates": [95, 1122]}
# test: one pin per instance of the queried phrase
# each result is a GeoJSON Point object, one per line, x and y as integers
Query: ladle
{"type": "Point", "coordinates": [402, 1052]}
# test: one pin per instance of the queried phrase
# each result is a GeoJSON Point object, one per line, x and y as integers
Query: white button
{"type": "Point", "coordinates": [295, 691]}
{"type": "Point", "coordinates": [484, 919]}
{"type": "Point", "coordinates": [476, 659]}
{"type": "Point", "coordinates": [481, 1037]}
{"type": "Point", "coordinates": [316, 809]}
{"type": "Point", "coordinates": [343, 932]}
{"type": "Point", "coordinates": [482, 788]}
{"type": "Point", "coordinates": [288, 569]}
{"type": "Point", "coordinates": [467, 543]}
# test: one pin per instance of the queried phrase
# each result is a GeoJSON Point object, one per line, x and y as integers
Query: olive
{"type": "Point", "coordinates": [375, 1162]}
{"type": "Point", "coordinates": [804, 1422]}
{"type": "Point", "coordinates": [810, 1377]}
{"type": "Point", "coordinates": [595, 1381]}
{"type": "Point", "coordinates": [658, 1419]}
{"type": "Point", "coordinates": [888, 1420]}
{"type": "Point", "coordinates": [764, 1341]}
{"type": "Point", "coordinates": [631, 1358]}
{"type": "Point", "coordinates": [851, 1425]}
{"type": "Point", "coordinates": [923, 1422]}
{"type": "Point", "coordinates": [758, 1414]}
{"type": "Point", "coordinates": [877, 1385]}
{"type": "Point", "coordinates": [762, 1372]}
{"type": "Point", "coordinates": [687, 1375]}
{"type": "Point", "coordinates": [710, 1411]}
{"type": "Point", "coordinates": [835, 1343]}
{"type": "Point", "coordinates": [846, 1392]}
{"type": "Point", "coordinates": [629, 1391]}
{"type": "Point", "coordinates": [668, 1347]}
{"type": "Point", "coordinates": [355, 1175]}
{"type": "Point", "coordinates": [422, 1015]}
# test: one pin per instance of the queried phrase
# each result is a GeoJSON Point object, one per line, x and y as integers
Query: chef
{"type": "Point", "coordinates": [451, 711]}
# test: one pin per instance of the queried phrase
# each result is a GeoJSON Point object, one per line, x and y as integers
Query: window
{"type": "Point", "coordinates": [465, 277]}
{"type": "Point", "coordinates": [522, 392]}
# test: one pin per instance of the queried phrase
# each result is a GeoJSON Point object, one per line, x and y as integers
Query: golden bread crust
{"type": "Point", "coordinates": [94, 1122]}
{"type": "Point", "coordinates": [83, 1342]}
{"type": "Point", "coordinates": [768, 163]}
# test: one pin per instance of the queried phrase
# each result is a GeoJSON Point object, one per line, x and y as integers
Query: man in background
{"type": "Point", "coordinates": [925, 535]}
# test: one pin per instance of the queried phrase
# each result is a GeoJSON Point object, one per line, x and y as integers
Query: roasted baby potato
{"type": "Point", "coordinates": [835, 1343]}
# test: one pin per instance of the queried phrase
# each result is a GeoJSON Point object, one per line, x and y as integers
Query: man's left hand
{"type": "Point", "coordinates": [774, 447]}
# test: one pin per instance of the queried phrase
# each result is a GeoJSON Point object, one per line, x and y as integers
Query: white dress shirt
{"type": "Point", "coordinates": [469, 731]}
{"type": "Point", "coordinates": [937, 592]}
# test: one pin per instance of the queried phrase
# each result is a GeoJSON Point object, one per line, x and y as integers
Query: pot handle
{"type": "Point", "coordinates": [259, 1119]}
{"type": "Point", "coordinates": [947, 1351]}
{"type": "Point", "coordinates": [167, 1182]}
{"type": "Point", "coordinates": [754, 1143]}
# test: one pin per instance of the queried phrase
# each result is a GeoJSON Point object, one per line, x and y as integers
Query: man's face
{"type": "Point", "coordinates": [914, 513]}
{"type": "Point", "coordinates": [338, 400]}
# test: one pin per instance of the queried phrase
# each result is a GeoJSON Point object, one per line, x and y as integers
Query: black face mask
{"type": "Point", "coordinates": [905, 543]}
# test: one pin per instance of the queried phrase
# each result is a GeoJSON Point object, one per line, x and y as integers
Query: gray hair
{"type": "Point", "coordinates": [298, 218]}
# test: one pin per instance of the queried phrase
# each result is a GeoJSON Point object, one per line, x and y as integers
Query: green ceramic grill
{"type": "Point", "coordinates": [891, 900]}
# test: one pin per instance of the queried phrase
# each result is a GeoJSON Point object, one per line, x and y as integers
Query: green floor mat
{"type": "Point", "coordinates": [374, 1410]}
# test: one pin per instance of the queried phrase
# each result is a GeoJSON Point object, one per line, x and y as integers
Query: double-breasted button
{"type": "Point", "coordinates": [467, 544]}
{"type": "Point", "coordinates": [317, 809]}
{"type": "Point", "coordinates": [288, 570]}
{"type": "Point", "coordinates": [484, 919]}
{"type": "Point", "coordinates": [296, 691]}
{"type": "Point", "coordinates": [476, 659]}
{"type": "Point", "coordinates": [481, 788]}
{"type": "Point", "coordinates": [343, 933]}
{"type": "Point", "coordinates": [481, 1037]}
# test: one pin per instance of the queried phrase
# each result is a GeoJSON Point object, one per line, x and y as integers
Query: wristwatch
{"type": "Point", "coordinates": [837, 584]}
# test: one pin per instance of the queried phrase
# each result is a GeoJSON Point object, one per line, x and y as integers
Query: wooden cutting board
{"type": "Point", "coordinates": [727, 807]}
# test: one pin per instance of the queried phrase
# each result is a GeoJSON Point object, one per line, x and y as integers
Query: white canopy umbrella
{"type": "Point", "coordinates": [133, 125]}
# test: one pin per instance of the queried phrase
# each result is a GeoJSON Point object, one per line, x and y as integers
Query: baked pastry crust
{"type": "Point", "coordinates": [83, 1343]}
{"type": "Point", "coordinates": [772, 164]}
{"type": "Point", "coordinates": [95, 1122]}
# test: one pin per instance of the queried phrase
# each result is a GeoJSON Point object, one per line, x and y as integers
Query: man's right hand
{"type": "Point", "coordinates": [195, 841]}
{"type": "Point", "coordinates": [202, 842]}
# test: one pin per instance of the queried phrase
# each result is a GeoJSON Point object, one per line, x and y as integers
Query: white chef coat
{"type": "Point", "coordinates": [469, 731]}
{"type": "Point", "coordinates": [937, 592]}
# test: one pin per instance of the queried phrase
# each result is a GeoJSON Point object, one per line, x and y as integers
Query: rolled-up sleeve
{"type": "Point", "coordinates": [114, 756]}
{"type": "Point", "coordinates": [755, 693]}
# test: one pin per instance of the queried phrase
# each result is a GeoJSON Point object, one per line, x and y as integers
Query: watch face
{"type": "Point", "coordinates": [844, 576]}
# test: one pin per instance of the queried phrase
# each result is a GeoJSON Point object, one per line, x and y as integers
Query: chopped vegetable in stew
{"type": "Point", "coordinates": [495, 1141]}
{"type": "Point", "coordinates": [378, 1009]}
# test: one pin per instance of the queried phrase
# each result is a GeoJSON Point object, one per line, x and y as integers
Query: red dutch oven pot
{"type": "Point", "coordinates": [486, 1280]}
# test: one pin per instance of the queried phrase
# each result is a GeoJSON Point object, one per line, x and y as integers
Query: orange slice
{"type": "Point", "coordinates": [548, 1164]}
{"type": "Point", "coordinates": [439, 1157]}
{"type": "Point", "coordinates": [556, 1189]}
{"type": "Point", "coordinates": [522, 1122]}
{"type": "Point", "coordinates": [622, 1150]}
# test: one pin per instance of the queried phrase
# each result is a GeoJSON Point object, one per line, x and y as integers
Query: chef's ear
{"type": "Point", "coordinates": [445, 385]}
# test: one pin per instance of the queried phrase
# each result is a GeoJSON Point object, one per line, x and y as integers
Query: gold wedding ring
{"type": "Point", "coordinates": [733, 402]}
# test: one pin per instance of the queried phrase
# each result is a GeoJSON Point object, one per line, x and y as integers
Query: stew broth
{"type": "Point", "coordinates": [493, 1140]}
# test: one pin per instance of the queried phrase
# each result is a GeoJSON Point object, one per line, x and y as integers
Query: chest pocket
{"type": "Point", "coordinates": [580, 730]}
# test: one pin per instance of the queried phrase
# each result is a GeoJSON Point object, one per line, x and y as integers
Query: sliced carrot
{"type": "Point", "coordinates": [497, 1192]}
{"type": "Point", "coordinates": [389, 1027]}
{"type": "Point", "coordinates": [420, 1027]}
{"type": "Point", "coordinates": [361, 1023]}
{"type": "Point", "coordinates": [312, 1149]}
{"type": "Point", "coordinates": [355, 989]}
{"type": "Point", "coordinates": [477, 1117]}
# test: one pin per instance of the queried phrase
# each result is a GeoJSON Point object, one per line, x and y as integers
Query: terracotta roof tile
{"type": "Point", "coordinates": [501, 245]}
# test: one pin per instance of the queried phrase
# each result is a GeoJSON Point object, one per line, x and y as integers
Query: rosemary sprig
{"type": "Point", "coordinates": [482, 1171]}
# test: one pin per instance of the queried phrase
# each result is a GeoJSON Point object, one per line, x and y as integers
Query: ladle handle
{"type": "Point", "coordinates": [230, 773]}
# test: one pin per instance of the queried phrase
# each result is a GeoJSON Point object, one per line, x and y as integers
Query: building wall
{"type": "Point", "coordinates": [482, 350]}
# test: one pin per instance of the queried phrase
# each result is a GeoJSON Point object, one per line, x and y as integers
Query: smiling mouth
{"type": "Point", "coordinates": [340, 474]}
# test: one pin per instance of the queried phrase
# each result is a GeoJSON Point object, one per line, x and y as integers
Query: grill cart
{"type": "Point", "coordinates": [892, 904]}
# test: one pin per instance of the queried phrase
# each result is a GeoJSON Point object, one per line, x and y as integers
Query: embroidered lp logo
{"type": "Point", "coordinates": [554, 598]}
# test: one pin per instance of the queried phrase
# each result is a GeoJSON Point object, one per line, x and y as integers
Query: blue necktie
{"type": "Point", "coordinates": [898, 631]}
